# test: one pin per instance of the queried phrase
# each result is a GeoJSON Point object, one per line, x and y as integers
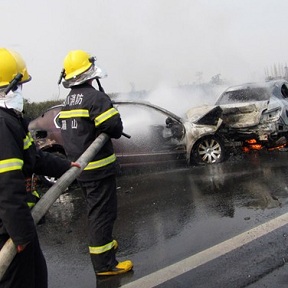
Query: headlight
{"type": "Point", "coordinates": [271, 115]}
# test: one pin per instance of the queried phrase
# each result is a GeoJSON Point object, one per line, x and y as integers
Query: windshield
{"type": "Point", "coordinates": [243, 95]}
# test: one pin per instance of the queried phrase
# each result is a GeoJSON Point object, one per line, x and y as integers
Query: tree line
{"type": "Point", "coordinates": [34, 109]}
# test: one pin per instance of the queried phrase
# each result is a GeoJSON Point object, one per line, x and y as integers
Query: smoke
{"type": "Point", "coordinates": [178, 99]}
{"type": "Point", "coordinates": [146, 42]}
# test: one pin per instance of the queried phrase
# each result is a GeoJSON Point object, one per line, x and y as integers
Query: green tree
{"type": "Point", "coordinates": [34, 109]}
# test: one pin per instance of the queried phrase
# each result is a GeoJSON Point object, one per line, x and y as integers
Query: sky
{"type": "Point", "coordinates": [146, 44]}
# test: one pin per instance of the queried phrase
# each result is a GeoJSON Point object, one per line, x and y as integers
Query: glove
{"type": "Point", "coordinates": [75, 164]}
{"type": "Point", "coordinates": [20, 248]}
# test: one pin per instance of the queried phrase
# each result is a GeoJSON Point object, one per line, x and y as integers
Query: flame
{"type": "Point", "coordinates": [245, 149]}
{"type": "Point", "coordinates": [276, 148]}
{"type": "Point", "coordinates": [251, 141]}
{"type": "Point", "coordinates": [252, 144]}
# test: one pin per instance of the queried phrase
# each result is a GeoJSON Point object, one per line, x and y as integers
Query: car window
{"type": "Point", "coordinates": [147, 127]}
{"type": "Point", "coordinates": [137, 115]}
{"type": "Point", "coordinates": [243, 95]}
{"type": "Point", "coordinates": [284, 91]}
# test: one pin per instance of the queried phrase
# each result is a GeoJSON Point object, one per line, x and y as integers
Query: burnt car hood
{"type": "Point", "coordinates": [242, 115]}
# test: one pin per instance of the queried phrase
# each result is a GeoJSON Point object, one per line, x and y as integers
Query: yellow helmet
{"type": "Point", "coordinates": [12, 64]}
{"type": "Point", "coordinates": [76, 62]}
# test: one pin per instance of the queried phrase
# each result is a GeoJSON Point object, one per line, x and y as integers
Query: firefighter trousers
{"type": "Point", "coordinates": [28, 268]}
{"type": "Point", "coordinates": [101, 200]}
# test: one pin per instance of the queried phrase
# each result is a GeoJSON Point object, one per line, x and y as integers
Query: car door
{"type": "Point", "coordinates": [152, 141]}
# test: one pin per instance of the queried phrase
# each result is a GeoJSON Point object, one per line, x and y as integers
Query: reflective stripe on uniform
{"type": "Point", "coordinates": [101, 163]}
{"type": "Point", "coordinates": [35, 193]}
{"type": "Point", "coordinates": [74, 113]}
{"type": "Point", "coordinates": [104, 116]}
{"type": "Point", "coordinates": [102, 249]}
{"type": "Point", "coordinates": [31, 204]}
{"type": "Point", "coordinates": [10, 165]}
{"type": "Point", "coordinates": [27, 141]}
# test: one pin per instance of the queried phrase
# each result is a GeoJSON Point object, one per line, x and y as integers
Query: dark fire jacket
{"type": "Point", "coordinates": [19, 159]}
{"type": "Point", "coordinates": [88, 112]}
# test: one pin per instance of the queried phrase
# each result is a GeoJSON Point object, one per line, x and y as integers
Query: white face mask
{"type": "Point", "coordinates": [13, 99]}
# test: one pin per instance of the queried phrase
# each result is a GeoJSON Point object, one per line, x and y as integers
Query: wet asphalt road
{"type": "Point", "coordinates": [167, 216]}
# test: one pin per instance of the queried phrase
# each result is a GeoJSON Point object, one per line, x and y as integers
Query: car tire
{"type": "Point", "coordinates": [47, 180]}
{"type": "Point", "coordinates": [208, 150]}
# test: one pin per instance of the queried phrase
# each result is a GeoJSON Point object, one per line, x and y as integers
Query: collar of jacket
{"type": "Point", "coordinates": [12, 112]}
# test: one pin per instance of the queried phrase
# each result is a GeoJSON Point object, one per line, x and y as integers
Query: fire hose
{"type": "Point", "coordinates": [8, 252]}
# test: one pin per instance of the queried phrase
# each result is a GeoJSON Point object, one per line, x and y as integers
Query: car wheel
{"type": "Point", "coordinates": [47, 180]}
{"type": "Point", "coordinates": [208, 150]}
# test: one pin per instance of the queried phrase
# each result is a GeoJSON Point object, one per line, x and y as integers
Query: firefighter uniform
{"type": "Point", "coordinates": [19, 159]}
{"type": "Point", "coordinates": [88, 112]}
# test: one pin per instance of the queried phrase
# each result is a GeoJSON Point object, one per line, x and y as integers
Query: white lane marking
{"type": "Point", "coordinates": [207, 255]}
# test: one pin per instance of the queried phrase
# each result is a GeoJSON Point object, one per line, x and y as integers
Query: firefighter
{"type": "Point", "coordinates": [19, 159]}
{"type": "Point", "coordinates": [87, 112]}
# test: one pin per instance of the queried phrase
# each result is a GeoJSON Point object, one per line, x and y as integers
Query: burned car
{"type": "Point", "coordinates": [157, 136]}
{"type": "Point", "coordinates": [253, 115]}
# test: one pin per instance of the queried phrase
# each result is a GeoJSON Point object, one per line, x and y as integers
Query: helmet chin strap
{"type": "Point", "coordinates": [62, 75]}
{"type": "Point", "coordinates": [13, 84]}
{"type": "Point", "coordinates": [99, 85]}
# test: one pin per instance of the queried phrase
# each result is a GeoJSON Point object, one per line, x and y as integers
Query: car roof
{"type": "Point", "coordinates": [148, 104]}
{"type": "Point", "coordinates": [53, 107]}
{"type": "Point", "coordinates": [266, 84]}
